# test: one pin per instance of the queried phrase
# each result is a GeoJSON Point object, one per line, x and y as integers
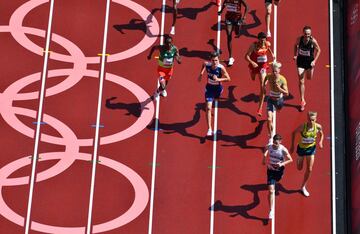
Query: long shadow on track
{"type": "Point", "coordinates": [243, 210]}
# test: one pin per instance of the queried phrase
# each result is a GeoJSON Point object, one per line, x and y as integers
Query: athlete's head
{"type": "Point", "coordinates": [168, 41]}
{"type": "Point", "coordinates": [214, 57]}
{"type": "Point", "coordinates": [261, 37]}
{"type": "Point", "coordinates": [307, 31]}
{"type": "Point", "coordinates": [277, 139]}
{"type": "Point", "coordinates": [276, 68]}
{"type": "Point", "coordinates": [312, 115]}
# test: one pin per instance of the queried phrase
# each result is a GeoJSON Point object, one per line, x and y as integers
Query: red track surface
{"type": "Point", "coordinates": [183, 173]}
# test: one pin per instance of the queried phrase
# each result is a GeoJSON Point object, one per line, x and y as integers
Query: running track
{"type": "Point", "coordinates": [184, 158]}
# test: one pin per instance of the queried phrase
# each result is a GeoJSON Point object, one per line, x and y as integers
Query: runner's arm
{"type": "Point", "coordinates": [152, 51]}
{"type": "Point", "coordinates": [289, 159]}
{"type": "Point", "coordinates": [247, 56]}
{"type": "Point", "coordinates": [272, 54]}
{"type": "Point", "coordinates": [177, 56]}
{"type": "Point", "coordinates": [201, 71]}
{"type": "Point", "coordinates": [293, 136]}
{"type": "Point", "coordinates": [296, 47]}
{"type": "Point", "coordinates": [264, 157]}
{"type": "Point", "coordinates": [225, 74]}
{"type": "Point", "coordinates": [283, 88]}
{"type": "Point", "coordinates": [321, 136]}
{"type": "Point", "coordinates": [222, 7]}
{"type": "Point", "coordinates": [246, 10]}
{"type": "Point", "coordinates": [317, 49]}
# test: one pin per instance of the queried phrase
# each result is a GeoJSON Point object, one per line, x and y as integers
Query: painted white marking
{"type": "Point", "coordinates": [333, 145]}
{"type": "Point", "coordinates": [39, 118]}
{"type": "Point", "coordinates": [213, 176]}
{"type": "Point", "coordinates": [156, 132]}
{"type": "Point", "coordinates": [96, 141]}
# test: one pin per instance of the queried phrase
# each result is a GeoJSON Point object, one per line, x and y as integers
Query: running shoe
{"type": "Point", "coordinates": [302, 105]}
{"type": "Point", "coordinates": [305, 192]}
{"type": "Point", "coordinates": [163, 93]}
{"type": "Point", "coordinates": [271, 214]}
{"type": "Point", "coordinates": [209, 132]}
{"type": "Point", "coordinates": [268, 34]}
{"type": "Point", "coordinates": [177, 1]}
{"type": "Point", "coordinates": [231, 61]}
{"type": "Point", "coordinates": [172, 31]}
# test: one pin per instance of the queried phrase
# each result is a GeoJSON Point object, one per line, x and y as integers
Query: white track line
{"type": "Point", "coordinates": [213, 177]}
{"type": "Point", "coordinates": [156, 131]}
{"type": "Point", "coordinates": [39, 118]}
{"type": "Point", "coordinates": [333, 145]}
{"type": "Point", "coordinates": [96, 141]}
{"type": "Point", "coordinates": [274, 114]}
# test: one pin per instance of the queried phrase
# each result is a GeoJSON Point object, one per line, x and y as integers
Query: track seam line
{"type": "Point", "coordinates": [96, 140]}
{"type": "Point", "coordinates": [213, 173]}
{"type": "Point", "coordinates": [156, 130]}
{"type": "Point", "coordinates": [333, 162]}
{"type": "Point", "coordinates": [39, 118]}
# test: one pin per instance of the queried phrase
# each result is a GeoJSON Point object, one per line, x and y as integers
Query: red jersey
{"type": "Point", "coordinates": [233, 9]}
{"type": "Point", "coordinates": [259, 55]}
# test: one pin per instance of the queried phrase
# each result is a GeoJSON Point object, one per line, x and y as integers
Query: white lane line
{"type": "Point", "coordinates": [333, 168]}
{"type": "Point", "coordinates": [274, 113]}
{"type": "Point", "coordinates": [39, 118]}
{"type": "Point", "coordinates": [213, 176]}
{"type": "Point", "coordinates": [156, 131]}
{"type": "Point", "coordinates": [96, 141]}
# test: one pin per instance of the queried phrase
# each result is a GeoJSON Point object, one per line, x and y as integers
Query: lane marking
{"type": "Point", "coordinates": [213, 171]}
{"type": "Point", "coordinates": [156, 132]}
{"type": "Point", "coordinates": [96, 140]}
{"type": "Point", "coordinates": [333, 168]}
{"type": "Point", "coordinates": [39, 118]}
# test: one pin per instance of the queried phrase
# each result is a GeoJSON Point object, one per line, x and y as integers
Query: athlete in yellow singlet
{"type": "Point", "coordinates": [307, 146]}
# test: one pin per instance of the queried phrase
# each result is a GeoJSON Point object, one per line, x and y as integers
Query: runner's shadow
{"type": "Point", "coordinates": [255, 98]}
{"type": "Point", "coordinates": [186, 12]}
{"type": "Point", "coordinates": [205, 55]}
{"type": "Point", "coordinates": [134, 109]}
{"type": "Point", "coordinates": [137, 24]}
{"type": "Point", "coordinates": [244, 30]}
{"type": "Point", "coordinates": [243, 210]}
{"type": "Point", "coordinates": [241, 140]}
{"type": "Point", "coordinates": [181, 127]}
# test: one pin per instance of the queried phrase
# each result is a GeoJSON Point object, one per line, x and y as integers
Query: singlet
{"type": "Point", "coordinates": [274, 92]}
{"type": "Point", "coordinates": [259, 54]}
{"type": "Point", "coordinates": [306, 50]}
{"type": "Point", "coordinates": [210, 72]}
{"type": "Point", "coordinates": [308, 137]}
{"type": "Point", "coordinates": [233, 9]}
{"type": "Point", "coordinates": [276, 156]}
{"type": "Point", "coordinates": [166, 57]}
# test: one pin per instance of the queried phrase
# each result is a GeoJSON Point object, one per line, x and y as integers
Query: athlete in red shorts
{"type": "Point", "coordinates": [258, 64]}
{"type": "Point", "coordinates": [233, 20]}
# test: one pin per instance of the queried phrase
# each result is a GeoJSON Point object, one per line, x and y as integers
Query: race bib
{"type": "Point", "coordinates": [308, 140]}
{"type": "Point", "coordinates": [232, 7]}
{"type": "Point", "coordinates": [168, 61]}
{"type": "Point", "coordinates": [304, 52]}
{"type": "Point", "coordinates": [262, 59]}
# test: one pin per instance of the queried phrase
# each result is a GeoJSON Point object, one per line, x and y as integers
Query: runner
{"type": "Point", "coordinates": [304, 53]}
{"type": "Point", "coordinates": [233, 20]}
{"type": "Point", "coordinates": [278, 88]}
{"type": "Point", "coordinates": [216, 73]}
{"type": "Point", "coordinates": [307, 146]}
{"type": "Point", "coordinates": [258, 64]}
{"type": "Point", "coordinates": [168, 52]}
{"type": "Point", "coordinates": [268, 8]}
{"type": "Point", "coordinates": [175, 12]}
{"type": "Point", "coordinates": [279, 157]}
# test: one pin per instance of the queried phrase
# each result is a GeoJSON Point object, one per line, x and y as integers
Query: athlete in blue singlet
{"type": "Point", "coordinates": [216, 73]}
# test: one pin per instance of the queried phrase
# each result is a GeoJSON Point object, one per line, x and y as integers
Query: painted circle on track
{"type": "Point", "coordinates": [19, 34]}
{"type": "Point", "coordinates": [137, 207]}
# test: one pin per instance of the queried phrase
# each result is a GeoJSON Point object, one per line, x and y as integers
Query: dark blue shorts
{"type": "Point", "coordinates": [270, 1]}
{"type": "Point", "coordinates": [307, 151]}
{"type": "Point", "coordinates": [274, 176]}
{"type": "Point", "coordinates": [212, 92]}
{"type": "Point", "coordinates": [274, 104]}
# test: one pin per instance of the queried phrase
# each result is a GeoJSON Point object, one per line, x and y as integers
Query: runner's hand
{"type": "Point", "coordinates": [255, 65]}
{"type": "Point", "coordinates": [313, 63]}
{"type": "Point", "coordinates": [199, 78]}
{"type": "Point", "coordinates": [321, 145]}
{"type": "Point", "coordinates": [295, 57]}
{"type": "Point", "coordinates": [263, 161]}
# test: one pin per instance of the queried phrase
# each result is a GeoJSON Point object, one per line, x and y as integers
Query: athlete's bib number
{"type": "Point", "coordinates": [232, 7]}
{"type": "Point", "coordinates": [304, 52]}
{"type": "Point", "coordinates": [262, 59]}
{"type": "Point", "coordinates": [168, 61]}
{"type": "Point", "coordinates": [308, 140]}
